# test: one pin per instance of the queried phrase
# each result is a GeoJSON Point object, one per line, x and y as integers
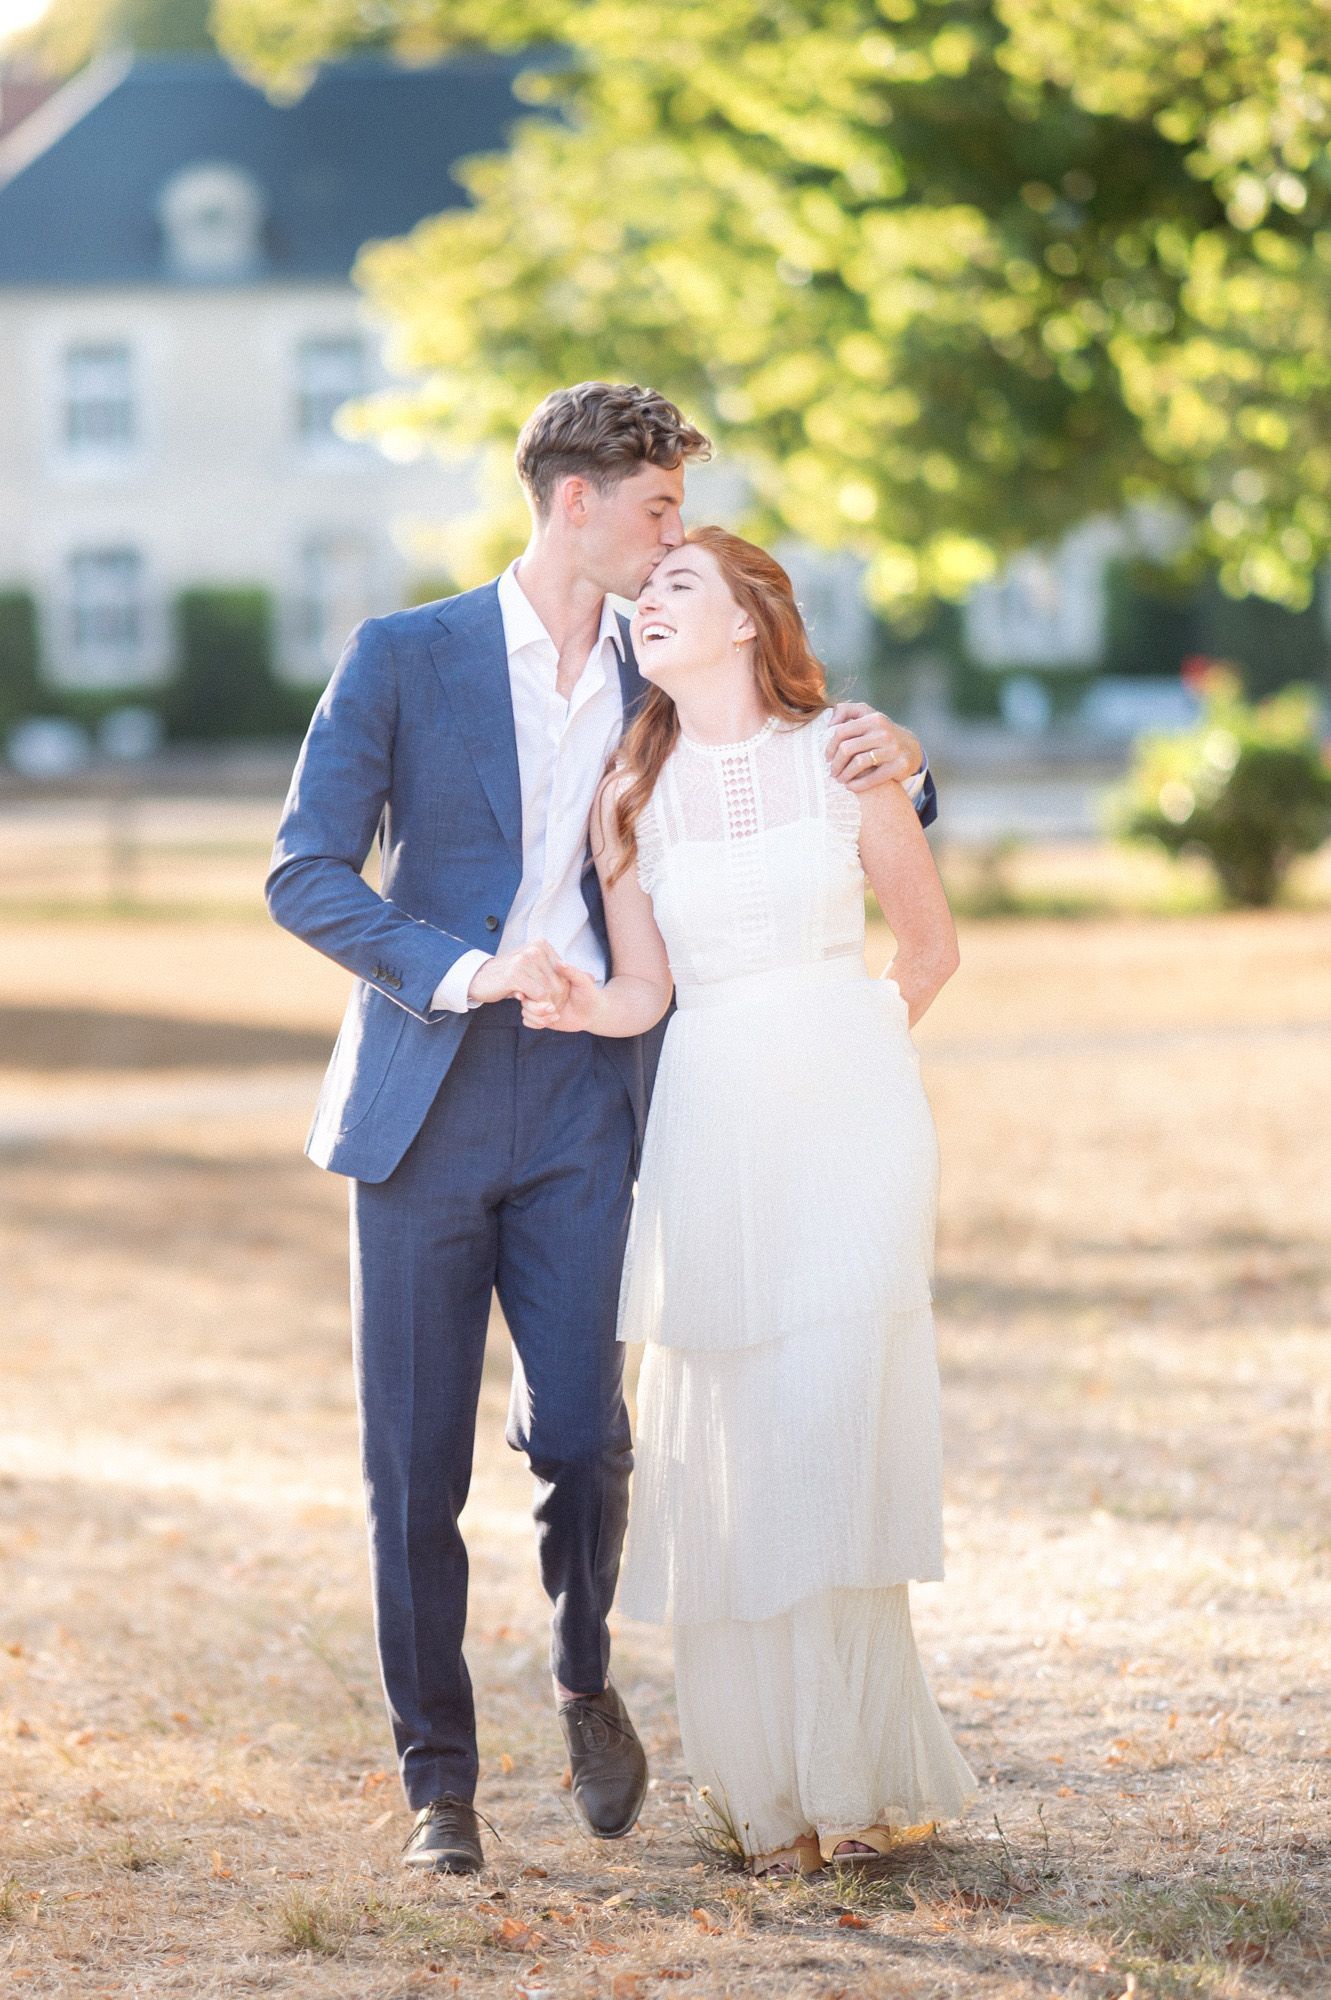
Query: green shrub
{"type": "Point", "coordinates": [1249, 786]}
{"type": "Point", "coordinates": [224, 687]}
{"type": "Point", "coordinates": [21, 691]}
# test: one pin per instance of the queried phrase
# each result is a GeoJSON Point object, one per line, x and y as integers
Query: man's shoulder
{"type": "Point", "coordinates": [419, 623]}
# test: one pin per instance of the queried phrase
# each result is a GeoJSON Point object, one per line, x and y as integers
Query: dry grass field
{"type": "Point", "coordinates": [195, 1797]}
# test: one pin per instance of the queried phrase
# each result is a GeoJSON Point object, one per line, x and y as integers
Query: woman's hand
{"type": "Point", "coordinates": [578, 1010]}
{"type": "Point", "coordinates": [534, 973]}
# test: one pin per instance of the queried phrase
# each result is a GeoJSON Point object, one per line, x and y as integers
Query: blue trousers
{"type": "Point", "coordinates": [519, 1182]}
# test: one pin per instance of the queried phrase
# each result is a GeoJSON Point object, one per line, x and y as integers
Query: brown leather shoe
{"type": "Point", "coordinates": [446, 1838]}
{"type": "Point", "coordinates": [609, 1764]}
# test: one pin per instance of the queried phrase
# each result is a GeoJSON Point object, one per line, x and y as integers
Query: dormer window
{"type": "Point", "coordinates": [212, 218]}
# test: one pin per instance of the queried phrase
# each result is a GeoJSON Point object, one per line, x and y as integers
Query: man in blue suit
{"type": "Point", "coordinates": [470, 736]}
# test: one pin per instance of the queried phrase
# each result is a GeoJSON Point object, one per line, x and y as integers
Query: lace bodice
{"type": "Point", "coordinates": [750, 854]}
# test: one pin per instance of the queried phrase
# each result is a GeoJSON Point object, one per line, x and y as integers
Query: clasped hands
{"type": "Point", "coordinates": [553, 994]}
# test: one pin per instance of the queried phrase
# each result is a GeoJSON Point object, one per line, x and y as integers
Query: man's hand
{"type": "Point", "coordinates": [866, 749]}
{"type": "Point", "coordinates": [578, 1010]}
{"type": "Point", "coordinates": [534, 973]}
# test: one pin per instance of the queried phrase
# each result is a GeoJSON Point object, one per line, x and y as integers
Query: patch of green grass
{"type": "Point", "coordinates": [433, 1927]}
{"type": "Point", "coordinates": [1200, 1927]}
{"type": "Point", "coordinates": [871, 1890]}
{"type": "Point", "coordinates": [314, 1924]}
{"type": "Point", "coordinates": [11, 1893]}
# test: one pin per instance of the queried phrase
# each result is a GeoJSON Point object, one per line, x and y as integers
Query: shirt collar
{"type": "Point", "coordinates": [523, 627]}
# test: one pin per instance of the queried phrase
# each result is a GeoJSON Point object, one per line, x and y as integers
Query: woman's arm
{"type": "Point", "coordinates": [903, 877]}
{"type": "Point", "coordinates": [638, 991]}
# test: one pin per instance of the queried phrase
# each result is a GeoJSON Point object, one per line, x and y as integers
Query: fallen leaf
{"type": "Point", "coordinates": [601, 1948]}
{"type": "Point", "coordinates": [702, 1918]}
{"type": "Point", "coordinates": [26, 1730]}
{"type": "Point", "coordinates": [671, 1972]}
{"type": "Point", "coordinates": [535, 1875]}
{"type": "Point", "coordinates": [505, 1763]}
{"type": "Point", "coordinates": [220, 1870]}
{"type": "Point", "coordinates": [514, 1935]}
{"type": "Point", "coordinates": [848, 1921]}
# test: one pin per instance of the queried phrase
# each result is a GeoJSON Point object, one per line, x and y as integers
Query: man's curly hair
{"type": "Point", "coordinates": [604, 432]}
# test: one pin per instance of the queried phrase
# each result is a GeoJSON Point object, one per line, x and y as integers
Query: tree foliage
{"type": "Point", "coordinates": [947, 275]}
{"type": "Point", "coordinates": [71, 32]}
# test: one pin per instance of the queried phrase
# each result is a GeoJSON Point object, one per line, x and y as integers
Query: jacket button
{"type": "Point", "coordinates": [492, 923]}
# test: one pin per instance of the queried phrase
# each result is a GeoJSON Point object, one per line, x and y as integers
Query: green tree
{"type": "Point", "coordinates": [71, 32]}
{"type": "Point", "coordinates": [948, 275]}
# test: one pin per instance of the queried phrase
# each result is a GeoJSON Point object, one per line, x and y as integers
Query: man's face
{"type": "Point", "coordinates": [627, 529]}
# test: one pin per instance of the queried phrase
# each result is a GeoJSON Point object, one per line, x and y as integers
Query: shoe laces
{"type": "Point", "coordinates": [597, 1729]}
{"type": "Point", "coordinates": [453, 1814]}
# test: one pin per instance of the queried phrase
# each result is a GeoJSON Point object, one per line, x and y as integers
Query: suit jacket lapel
{"type": "Point", "coordinates": [471, 660]}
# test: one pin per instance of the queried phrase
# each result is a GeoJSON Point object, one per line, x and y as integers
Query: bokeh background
{"type": "Point", "coordinates": [1010, 321]}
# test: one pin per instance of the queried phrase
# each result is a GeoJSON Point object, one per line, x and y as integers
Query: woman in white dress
{"type": "Point", "coordinates": [788, 1477]}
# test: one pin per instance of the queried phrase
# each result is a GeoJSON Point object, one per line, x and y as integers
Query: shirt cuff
{"type": "Point", "coordinates": [912, 787]}
{"type": "Point", "coordinates": [450, 995]}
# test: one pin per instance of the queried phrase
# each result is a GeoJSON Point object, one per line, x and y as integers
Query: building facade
{"type": "Point", "coordinates": [178, 332]}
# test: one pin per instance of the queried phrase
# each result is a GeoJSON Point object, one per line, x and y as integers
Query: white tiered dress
{"type": "Point", "coordinates": [788, 1466]}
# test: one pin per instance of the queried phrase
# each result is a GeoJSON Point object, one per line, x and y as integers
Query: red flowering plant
{"type": "Point", "coordinates": [1248, 785]}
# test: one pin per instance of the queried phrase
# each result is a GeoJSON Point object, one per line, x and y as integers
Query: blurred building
{"type": "Point", "coordinates": [178, 328]}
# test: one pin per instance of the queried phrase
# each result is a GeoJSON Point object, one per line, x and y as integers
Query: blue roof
{"type": "Point", "coordinates": [366, 153]}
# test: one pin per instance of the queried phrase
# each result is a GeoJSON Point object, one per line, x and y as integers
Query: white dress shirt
{"type": "Point", "coordinates": [563, 747]}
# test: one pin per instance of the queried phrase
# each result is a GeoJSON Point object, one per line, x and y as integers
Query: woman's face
{"type": "Point", "coordinates": [686, 623]}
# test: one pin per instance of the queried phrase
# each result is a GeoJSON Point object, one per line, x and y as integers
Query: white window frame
{"type": "Point", "coordinates": [99, 420]}
{"type": "Point", "coordinates": [330, 370]}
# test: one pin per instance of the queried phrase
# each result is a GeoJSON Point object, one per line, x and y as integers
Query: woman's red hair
{"type": "Point", "coordinates": [790, 678]}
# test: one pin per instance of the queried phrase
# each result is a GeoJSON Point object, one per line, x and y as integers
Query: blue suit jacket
{"type": "Point", "coordinates": [414, 740]}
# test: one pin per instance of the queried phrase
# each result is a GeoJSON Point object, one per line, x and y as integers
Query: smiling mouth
{"type": "Point", "coordinates": [651, 633]}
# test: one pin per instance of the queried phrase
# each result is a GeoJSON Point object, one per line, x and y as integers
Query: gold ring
{"type": "Point", "coordinates": [872, 755]}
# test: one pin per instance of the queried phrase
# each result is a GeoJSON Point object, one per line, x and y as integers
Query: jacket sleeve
{"type": "Point", "coordinates": [338, 793]}
{"type": "Point", "coordinates": [927, 803]}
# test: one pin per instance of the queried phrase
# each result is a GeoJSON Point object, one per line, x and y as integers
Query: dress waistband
{"type": "Point", "coordinates": [777, 983]}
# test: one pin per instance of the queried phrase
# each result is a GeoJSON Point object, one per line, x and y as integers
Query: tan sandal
{"type": "Point", "coordinates": [802, 1857]}
{"type": "Point", "coordinates": [880, 1840]}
